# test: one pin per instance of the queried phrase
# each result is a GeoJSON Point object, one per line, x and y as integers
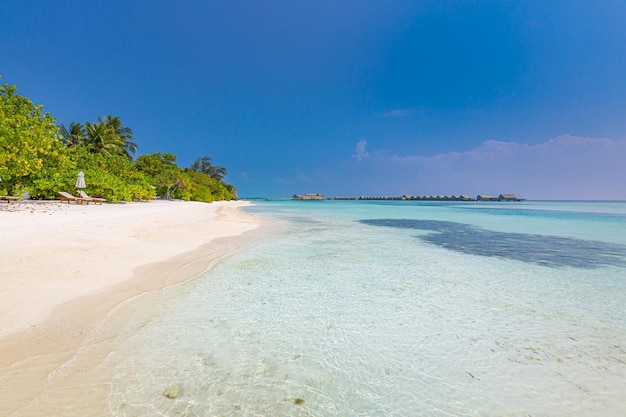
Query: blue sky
{"type": "Point", "coordinates": [345, 97]}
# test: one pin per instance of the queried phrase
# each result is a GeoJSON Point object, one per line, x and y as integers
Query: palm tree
{"type": "Point", "coordinates": [204, 164]}
{"type": "Point", "coordinates": [75, 136]}
{"type": "Point", "coordinates": [100, 139]}
{"type": "Point", "coordinates": [107, 136]}
{"type": "Point", "coordinates": [123, 134]}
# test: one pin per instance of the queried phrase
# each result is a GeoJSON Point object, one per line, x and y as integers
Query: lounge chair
{"type": "Point", "coordinates": [7, 198]}
{"type": "Point", "coordinates": [95, 200]}
{"type": "Point", "coordinates": [63, 196]}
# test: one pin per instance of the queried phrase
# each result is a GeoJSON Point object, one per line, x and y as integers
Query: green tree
{"type": "Point", "coordinates": [161, 169]}
{"type": "Point", "coordinates": [114, 177]}
{"type": "Point", "coordinates": [38, 156]}
{"type": "Point", "coordinates": [101, 140]}
{"type": "Point", "coordinates": [29, 142]}
{"type": "Point", "coordinates": [123, 133]}
{"type": "Point", "coordinates": [76, 135]}
{"type": "Point", "coordinates": [108, 136]}
{"type": "Point", "coordinates": [208, 189]}
{"type": "Point", "coordinates": [204, 164]}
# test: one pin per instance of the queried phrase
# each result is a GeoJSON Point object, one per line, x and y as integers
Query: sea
{"type": "Point", "coordinates": [393, 308]}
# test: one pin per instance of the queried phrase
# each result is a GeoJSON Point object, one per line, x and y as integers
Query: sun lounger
{"type": "Point", "coordinates": [7, 198]}
{"type": "Point", "coordinates": [95, 200]}
{"type": "Point", "coordinates": [63, 196]}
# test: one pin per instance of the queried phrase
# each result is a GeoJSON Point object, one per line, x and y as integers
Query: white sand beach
{"type": "Point", "coordinates": [65, 267]}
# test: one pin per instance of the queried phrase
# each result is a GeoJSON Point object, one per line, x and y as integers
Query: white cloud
{"type": "Point", "coordinates": [560, 168]}
{"type": "Point", "coordinates": [399, 113]}
{"type": "Point", "coordinates": [359, 151]}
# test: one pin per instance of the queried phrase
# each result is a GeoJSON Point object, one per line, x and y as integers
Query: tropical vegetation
{"type": "Point", "coordinates": [40, 157]}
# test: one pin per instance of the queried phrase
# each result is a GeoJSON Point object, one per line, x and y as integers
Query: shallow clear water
{"type": "Point", "coordinates": [395, 309]}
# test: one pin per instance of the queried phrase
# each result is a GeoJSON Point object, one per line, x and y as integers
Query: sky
{"type": "Point", "coordinates": [344, 98]}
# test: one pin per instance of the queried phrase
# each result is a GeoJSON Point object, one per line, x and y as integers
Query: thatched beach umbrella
{"type": "Point", "coordinates": [80, 181]}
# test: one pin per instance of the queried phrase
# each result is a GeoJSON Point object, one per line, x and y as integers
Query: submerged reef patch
{"type": "Point", "coordinates": [553, 251]}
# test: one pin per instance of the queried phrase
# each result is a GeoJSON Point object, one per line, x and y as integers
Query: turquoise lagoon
{"type": "Point", "coordinates": [394, 309]}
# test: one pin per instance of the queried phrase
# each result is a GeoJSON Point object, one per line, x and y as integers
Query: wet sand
{"type": "Point", "coordinates": [71, 275]}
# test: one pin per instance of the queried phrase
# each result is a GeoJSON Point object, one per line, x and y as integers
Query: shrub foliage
{"type": "Point", "coordinates": [39, 157]}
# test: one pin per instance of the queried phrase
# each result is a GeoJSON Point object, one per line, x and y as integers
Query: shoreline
{"type": "Point", "coordinates": [56, 328]}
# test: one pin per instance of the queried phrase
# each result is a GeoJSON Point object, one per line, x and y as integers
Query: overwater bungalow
{"type": "Point", "coordinates": [307, 197]}
{"type": "Point", "coordinates": [409, 197]}
{"type": "Point", "coordinates": [508, 197]}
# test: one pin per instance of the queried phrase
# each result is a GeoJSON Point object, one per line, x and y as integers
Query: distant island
{"type": "Point", "coordinates": [479, 197]}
